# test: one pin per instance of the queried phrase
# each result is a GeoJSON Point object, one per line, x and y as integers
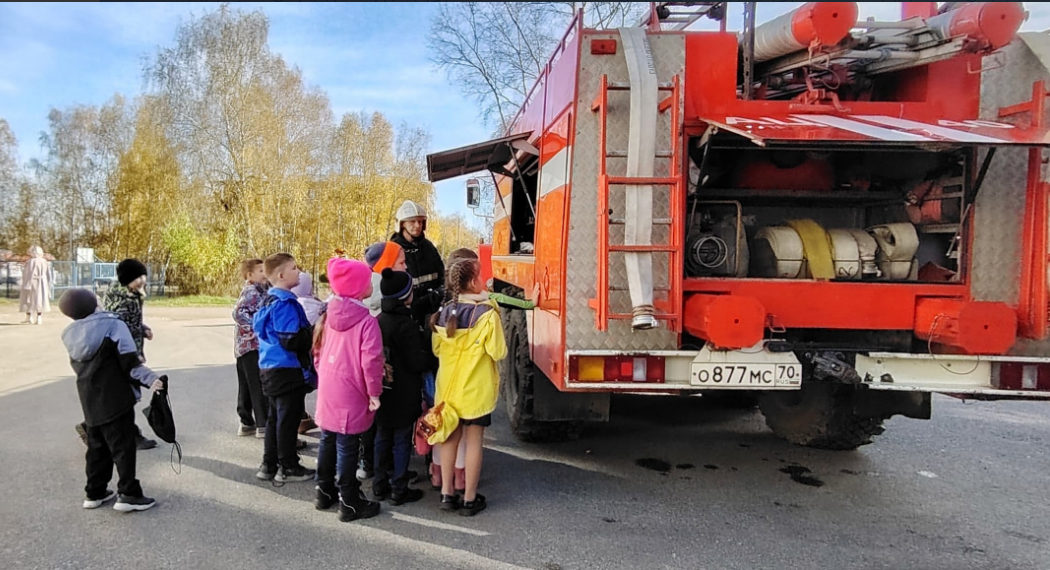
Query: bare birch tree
{"type": "Point", "coordinates": [495, 51]}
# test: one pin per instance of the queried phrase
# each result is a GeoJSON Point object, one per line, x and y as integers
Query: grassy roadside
{"type": "Point", "coordinates": [191, 301]}
{"type": "Point", "coordinates": [187, 301]}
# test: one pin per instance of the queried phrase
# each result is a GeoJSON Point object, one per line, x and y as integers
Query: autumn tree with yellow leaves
{"type": "Point", "coordinates": [229, 153]}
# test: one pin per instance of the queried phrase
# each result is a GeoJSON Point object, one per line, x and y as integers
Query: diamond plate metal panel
{"type": "Point", "coordinates": [581, 270]}
{"type": "Point", "coordinates": [999, 211]}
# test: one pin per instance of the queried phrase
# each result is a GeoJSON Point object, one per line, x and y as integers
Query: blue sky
{"type": "Point", "coordinates": [366, 56]}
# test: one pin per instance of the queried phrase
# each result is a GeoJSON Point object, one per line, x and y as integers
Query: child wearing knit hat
{"type": "Point", "coordinates": [348, 355]}
{"type": "Point", "coordinates": [125, 298]}
{"type": "Point", "coordinates": [401, 402]}
{"type": "Point", "coordinates": [109, 380]}
{"type": "Point", "coordinates": [379, 256]}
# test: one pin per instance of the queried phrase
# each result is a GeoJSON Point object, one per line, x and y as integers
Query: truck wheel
{"type": "Point", "coordinates": [517, 378]}
{"type": "Point", "coordinates": [821, 416]}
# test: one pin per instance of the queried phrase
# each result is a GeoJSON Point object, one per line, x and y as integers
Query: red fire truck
{"type": "Point", "coordinates": [841, 217]}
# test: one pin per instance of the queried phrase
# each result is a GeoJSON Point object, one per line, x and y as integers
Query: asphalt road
{"type": "Point", "coordinates": [669, 483]}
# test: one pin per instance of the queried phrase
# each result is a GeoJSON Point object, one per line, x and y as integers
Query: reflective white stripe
{"type": "Point", "coordinates": [863, 129]}
{"type": "Point", "coordinates": [555, 173]}
{"type": "Point", "coordinates": [425, 278]}
{"type": "Point", "coordinates": [950, 134]}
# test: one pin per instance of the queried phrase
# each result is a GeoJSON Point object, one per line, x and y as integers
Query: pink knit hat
{"type": "Point", "coordinates": [349, 277]}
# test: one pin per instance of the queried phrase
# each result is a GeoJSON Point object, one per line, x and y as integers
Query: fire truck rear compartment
{"type": "Point", "coordinates": [837, 215]}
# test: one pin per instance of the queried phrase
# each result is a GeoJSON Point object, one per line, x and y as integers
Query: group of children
{"type": "Point", "coordinates": [369, 351]}
{"type": "Point", "coordinates": [369, 373]}
{"type": "Point", "coordinates": [377, 360]}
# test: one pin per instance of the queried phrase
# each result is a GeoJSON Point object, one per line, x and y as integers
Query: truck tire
{"type": "Point", "coordinates": [517, 378]}
{"type": "Point", "coordinates": [822, 416]}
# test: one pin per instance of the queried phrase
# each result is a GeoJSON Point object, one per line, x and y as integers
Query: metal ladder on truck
{"type": "Point", "coordinates": [669, 309]}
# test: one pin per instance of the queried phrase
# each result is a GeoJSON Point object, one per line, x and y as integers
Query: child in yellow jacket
{"type": "Point", "coordinates": [468, 341]}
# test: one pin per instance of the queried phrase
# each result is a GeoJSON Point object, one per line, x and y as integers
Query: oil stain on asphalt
{"type": "Point", "coordinates": [798, 475]}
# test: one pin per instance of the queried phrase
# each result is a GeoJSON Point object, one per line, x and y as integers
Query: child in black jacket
{"type": "Point", "coordinates": [109, 372]}
{"type": "Point", "coordinates": [402, 398]}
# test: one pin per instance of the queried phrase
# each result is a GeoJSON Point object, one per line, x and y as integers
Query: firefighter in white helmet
{"type": "Point", "coordinates": [422, 258]}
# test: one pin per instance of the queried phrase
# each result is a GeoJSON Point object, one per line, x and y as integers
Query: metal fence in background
{"type": "Point", "coordinates": [69, 274]}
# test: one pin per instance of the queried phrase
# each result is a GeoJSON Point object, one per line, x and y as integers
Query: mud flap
{"type": "Point", "coordinates": [879, 403]}
{"type": "Point", "coordinates": [552, 405]}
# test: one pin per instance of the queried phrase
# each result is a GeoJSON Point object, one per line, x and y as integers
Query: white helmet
{"type": "Point", "coordinates": [411, 210]}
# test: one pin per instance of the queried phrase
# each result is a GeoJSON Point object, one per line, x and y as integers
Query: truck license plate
{"type": "Point", "coordinates": [745, 375]}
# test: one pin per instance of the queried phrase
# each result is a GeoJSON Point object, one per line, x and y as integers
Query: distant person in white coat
{"type": "Point", "coordinates": [35, 294]}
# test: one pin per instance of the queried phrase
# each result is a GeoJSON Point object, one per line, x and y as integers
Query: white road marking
{"type": "Point", "coordinates": [864, 129]}
{"type": "Point", "coordinates": [929, 474]}
{"type": "Point", "coordinates": [950, 134]}
{"type": "Point", "coordinates": [266, 504]}
{"type": "Point", "coordinates": [435, 524]}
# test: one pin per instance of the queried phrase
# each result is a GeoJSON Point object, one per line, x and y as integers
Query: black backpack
{"type": "Point", "coordinates": [162, 421]}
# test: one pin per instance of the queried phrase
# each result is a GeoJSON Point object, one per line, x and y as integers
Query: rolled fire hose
{"type": "Point", "coordinates": [788, 254]}
{"type": "Point", "coordinates": [641, 159]}
{"type": "Point", "coordinates": [845, 253]}
{"type": "Point", "coordinates": [817, 248]}
{"type": "Point", "coordinates": [868, 247]}
{"type": "Point", "coordinates": [897, 246]}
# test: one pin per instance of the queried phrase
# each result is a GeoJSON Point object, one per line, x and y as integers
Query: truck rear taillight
{"type": "Point", "coordinates": [1021, 376]}
{"type": "Point", "coordinates": [640, 368]}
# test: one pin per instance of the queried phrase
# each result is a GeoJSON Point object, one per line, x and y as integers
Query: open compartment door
{"type": "Point", "coordinates": [489, 155]}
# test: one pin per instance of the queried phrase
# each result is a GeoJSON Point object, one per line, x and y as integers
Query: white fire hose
{"type": "Point", "coordinates": [641, 159]}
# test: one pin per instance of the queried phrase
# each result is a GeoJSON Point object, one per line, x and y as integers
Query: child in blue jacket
{"type": "Point", "coordinates": [286, 369]}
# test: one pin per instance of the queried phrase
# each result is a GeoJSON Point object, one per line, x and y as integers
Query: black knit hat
{"type": "Point", "coordinates": [395, 284]}
{"type": "Point", "coordinates": [78, 303]}
{"type": "Point", "coordinates": [130, 270]}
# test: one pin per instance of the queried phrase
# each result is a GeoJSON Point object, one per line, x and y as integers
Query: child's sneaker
{"type": "Point", "coordinates": [266, 473]}
{"type": "Point", "coordinates": [126, 504]}
{"type": "Point", "coordinates": [450, 502]}
{"type": "Point", "coordinates": [325, 499]}
{"type": "Point", "coordinates": [471, 508]}
{"type": "Point", "coordinates": [96, 503]}
{"type": "Point", "coordinates": [143, 443]}
{"type": "Point", "coordinates": [357, 509]}
{"type": "Point", "coordinates": [294, 474]}
{"type": "Point", "coordinates": [364, 471]}
{"type": "Point", "coordinates": [245, 431]}
{"type": "Point", "coordinates": [408, 496]}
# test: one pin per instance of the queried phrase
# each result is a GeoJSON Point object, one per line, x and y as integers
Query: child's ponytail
{"type": "Point", "coordinates": [459, 276]}
{"type": "Point", "coordinates": [319, 334]}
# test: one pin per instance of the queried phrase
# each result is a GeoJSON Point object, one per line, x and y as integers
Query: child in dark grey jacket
{"type": "Point", "coordinates": [109, 375]}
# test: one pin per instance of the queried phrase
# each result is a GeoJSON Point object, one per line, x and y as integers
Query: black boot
{"type": "Point", "coordinates": [357, 508]}
{"type": "Point", "coordinates": [409, 495]}
{"type": "Point", "coordinates": [325, 499]}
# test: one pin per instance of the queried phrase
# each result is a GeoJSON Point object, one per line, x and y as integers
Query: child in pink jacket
{"type": "Point", "coordinates": [348, 355]}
